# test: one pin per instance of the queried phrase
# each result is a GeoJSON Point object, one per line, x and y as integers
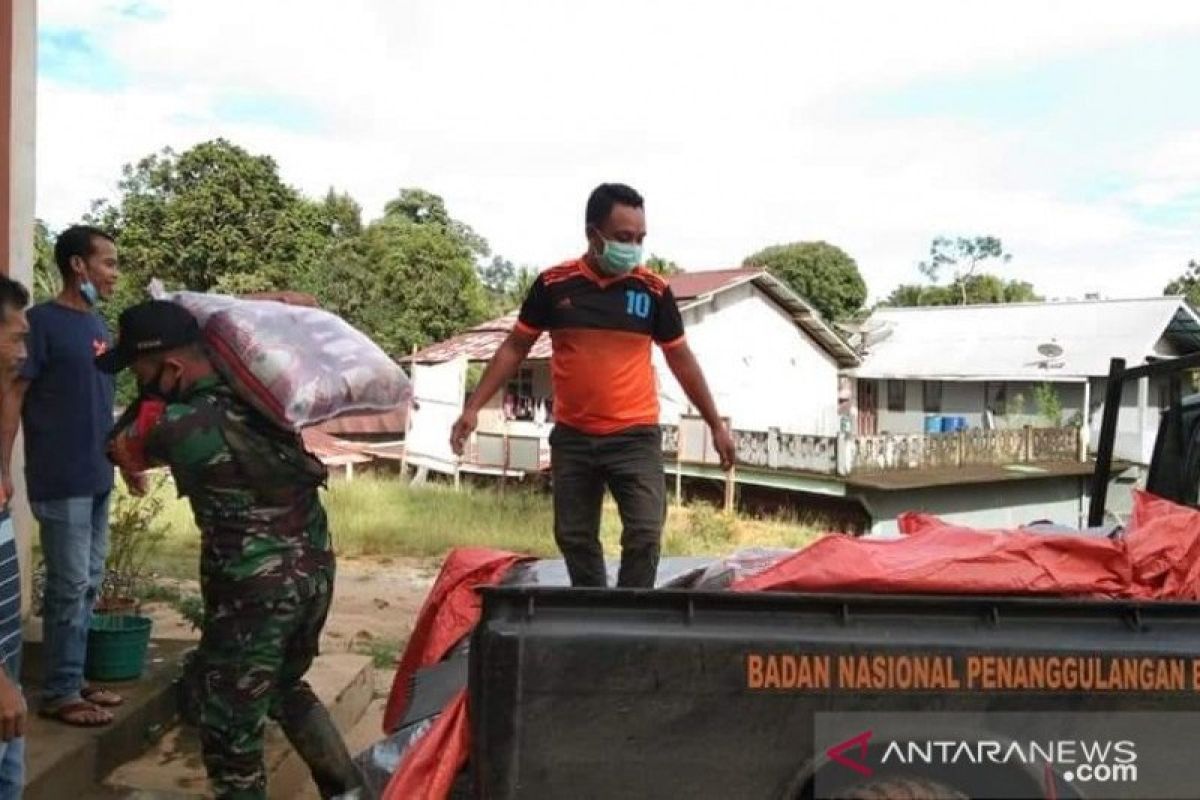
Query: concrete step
{"type": "Point", "coordinates": [173, 769]}
{"type": "Point", "coordinates": [64, 762]}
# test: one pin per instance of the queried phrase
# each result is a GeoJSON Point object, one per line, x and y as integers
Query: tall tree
{"type": "Point", "coordinates": [218, 218]}
{"type": "Point", "coordinates": [214, 217]}
{"type": "Point", "coordinates": [821, 273]}
{"type": "Point", "coordinates": [410, 279]}
{"type": "Point", "coordinates": [1187, 284]}
{"type": "Point", "coordinates": [962, 255]}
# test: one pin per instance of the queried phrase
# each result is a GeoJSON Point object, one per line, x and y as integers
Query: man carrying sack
{"type": "Point", "coordinates": [266, 565]}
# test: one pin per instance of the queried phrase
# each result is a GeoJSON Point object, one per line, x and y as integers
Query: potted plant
{"type": "Point", "coordinates": [120, 635]}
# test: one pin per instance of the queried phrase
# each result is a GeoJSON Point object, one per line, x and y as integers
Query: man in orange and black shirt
{"type": "Point", "coordinates": [603, 312]}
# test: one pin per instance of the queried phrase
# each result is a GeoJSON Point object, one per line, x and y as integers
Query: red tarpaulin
{"type": "Point", "coordinates": [1157, 559]}
{"type": "Point", "coordinates": [449, 613]}
{"type": "Point", "coordinates": [429, 768]}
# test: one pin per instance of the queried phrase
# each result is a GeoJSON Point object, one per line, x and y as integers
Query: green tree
{"type": "Point", "coordinates": [409, 279]}
{"type": "Point", "coordinates": [962, 255]}
{"type": "Point", "coordinates": [498, 276]}
{"type": "Point", "coordinates": [46, 280]}
{"type": "Point", "coordinates": [821, 273]}
{"type": "Point", "coordinates": [506, 284]}
{"type": "Point", "coordinates": [1187, 284]}
{"type": "Point", "coordinates": [978, 289]}
{"type": "Point", "coordinates": [522, 283]}
{"type": "Point", "coordinates": [218, 218]}
{"type": "Point", "coordinates": [662, 266]}
{"type": "Point", "coordinates": [215, 217]}
{"type": "Point", "coordinates": [1048, 403]}
{"type": "Point", "coordinates": [341, 215]}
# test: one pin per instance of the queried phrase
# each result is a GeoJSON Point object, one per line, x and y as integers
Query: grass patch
{"type": "Point", "coordinates": [373, 516]}
{"type": "Point", "coordinates": [384, 653]}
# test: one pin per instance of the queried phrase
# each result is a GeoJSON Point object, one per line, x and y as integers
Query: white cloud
{"type": "Point", "coordinates": [727, 120]}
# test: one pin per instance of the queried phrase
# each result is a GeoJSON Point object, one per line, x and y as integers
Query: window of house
{"type": "Point", "coordinates": [896, 395]}
{"type": "Point", "coordinates": [519, 402]}
{"type": "Point", "coordinates": [932, 391]}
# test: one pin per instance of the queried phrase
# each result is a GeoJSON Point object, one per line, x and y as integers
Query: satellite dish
{"type": "Point", "coordinates": [1050, 349]}
{"type": "Point", "coordinates": [1051, 353]}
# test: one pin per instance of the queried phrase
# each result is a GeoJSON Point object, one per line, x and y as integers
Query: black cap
{"type": "Point", "coordinates": [151, 327]}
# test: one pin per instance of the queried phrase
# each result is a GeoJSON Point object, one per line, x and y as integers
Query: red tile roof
{"type": "Point", "coordinates": [690, 285]}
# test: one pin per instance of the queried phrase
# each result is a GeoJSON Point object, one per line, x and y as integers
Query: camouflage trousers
{"type": "Point", "coordinates": [254, 652]}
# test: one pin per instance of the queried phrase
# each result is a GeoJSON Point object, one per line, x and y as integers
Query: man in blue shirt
{"type": "Point", "coordinates": [66, 407]}
{"type": "Point", "coordinates": [13, 327]}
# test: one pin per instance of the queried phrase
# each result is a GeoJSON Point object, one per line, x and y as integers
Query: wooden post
{"type": "Point", "coordinates": [1104, 448]}
{"type": "Point", "coordinates": [1027, 445]}
{"type": "Point", "coordinates": [730, 489]}
{"type": "Point", "coordinates": [962, 447]}
{"type": "Point", "coordinates": [1085, 425]}
{"type": "Point", "coordinates": [409, 405]}
{"type": "Point", "coordinates": [506, 461]}
{"type": "Point", "coordinates": [679, 465]}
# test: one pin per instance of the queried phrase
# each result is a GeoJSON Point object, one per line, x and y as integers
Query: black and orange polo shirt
{"type": "Point", "coordinates": [601, 330]}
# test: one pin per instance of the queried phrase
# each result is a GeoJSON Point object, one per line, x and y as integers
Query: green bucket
{"type": "Point", "coordinates": [116, 647]}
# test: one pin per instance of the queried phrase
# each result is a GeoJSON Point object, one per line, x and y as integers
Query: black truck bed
{"type": "Point", "coordinates": [674, 693]}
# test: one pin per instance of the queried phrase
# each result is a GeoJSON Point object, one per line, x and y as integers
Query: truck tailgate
{"type": "Point", "coordinates": [621, 694]}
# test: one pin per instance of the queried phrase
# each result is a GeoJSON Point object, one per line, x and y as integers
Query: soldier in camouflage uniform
{"type": "Point", "coordinates": [266, 566]}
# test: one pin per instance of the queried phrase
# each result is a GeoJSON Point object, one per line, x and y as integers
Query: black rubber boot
{"type": "Point", "coordinates": [320, 744]}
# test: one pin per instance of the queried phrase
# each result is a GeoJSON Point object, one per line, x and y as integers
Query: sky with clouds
{"type": "Point", "coordinates": [1069, 129]}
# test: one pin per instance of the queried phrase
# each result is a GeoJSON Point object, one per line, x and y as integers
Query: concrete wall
{"type": "Point", "coordinates": [1006, 504]}
{"type": "Point", "coordinates": [18, 85]}
{"type": "Point", "coordinates": [763, 370]}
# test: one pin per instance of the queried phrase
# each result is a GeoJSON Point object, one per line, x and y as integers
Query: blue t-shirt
{"type": "Point", "coordinates": [68, 408]}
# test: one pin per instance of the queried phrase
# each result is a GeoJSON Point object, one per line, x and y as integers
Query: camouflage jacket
{"type": "Point", "coordinates": [253, 490]}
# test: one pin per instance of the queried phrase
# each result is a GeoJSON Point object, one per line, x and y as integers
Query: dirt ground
{"type": "Point", "coordinates": [375, 603]}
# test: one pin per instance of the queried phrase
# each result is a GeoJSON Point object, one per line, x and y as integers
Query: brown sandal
{"type": "Point", "coordinates": [101, 697]}
{"type": "Point", "coordinates": [78, 713]}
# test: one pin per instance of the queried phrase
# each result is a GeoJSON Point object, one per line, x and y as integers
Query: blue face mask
{"type": "Point", "coordinates": [88, 290]}
{"type": "Point", "coordinates": [619, 258]}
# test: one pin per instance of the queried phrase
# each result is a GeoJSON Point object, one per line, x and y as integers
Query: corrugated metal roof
{"type": "Point", "coordinates": [690, 288]}
{"type": "Point", "coordinates": [478, 344]}
{"type": "Point", "coordinates": [389, 423]}
{"type": "Point", "coordinates": [333, 451]}
{"type": "Point", "coordinates": [1000, 342]}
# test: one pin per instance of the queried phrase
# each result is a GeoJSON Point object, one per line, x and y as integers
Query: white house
{"type": "Point", "coordinates": [966, 361]}
{"type": "Point", "coordinates": [770, 361]}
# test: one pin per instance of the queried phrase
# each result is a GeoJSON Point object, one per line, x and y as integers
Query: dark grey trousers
{"type": "Point", "coordinates": [630, 465]}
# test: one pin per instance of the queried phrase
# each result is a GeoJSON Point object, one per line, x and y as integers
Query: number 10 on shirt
{"type": "Point", "coordinates": [637, 303]}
